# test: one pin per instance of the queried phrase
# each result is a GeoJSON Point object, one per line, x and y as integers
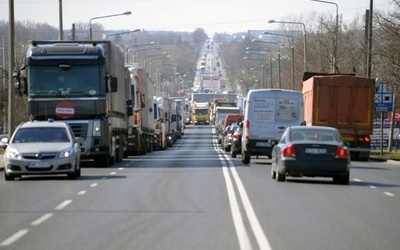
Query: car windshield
{"type": "Point", "coordinates": [40, 134]}
{"type": "Point", "coordinates": [314, 135]}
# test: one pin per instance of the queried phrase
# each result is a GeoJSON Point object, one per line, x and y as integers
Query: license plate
{"type": "Point", "coordinates": [40, 164]}
{"type": "Point", "coordinates": [315, 151]}
{"type": "Point", "coordinates": [263, 144]}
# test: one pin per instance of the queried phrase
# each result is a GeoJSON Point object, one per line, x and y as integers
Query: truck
{"type": "Point", "coordinates": [82, 83]}
{"type": "Point", "coordinates": [200, 113]}
{"type": "Point", "coordinates": [343, 101]}
{"type": "Point", "coordinates": [141, 125]}
{"type": "Point", "coordinates": [162, 106]}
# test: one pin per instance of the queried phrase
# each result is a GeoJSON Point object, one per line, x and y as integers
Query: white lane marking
{"type": "Point", "coordinates": [63, 205]}
{"type": "Point", "coordinates": [113, 173]}
{"type": "Point", "coordinates": [82, 192]}
{"type": "Point", "coordinates": [389, 194]}
{"type": "Point", "coordinates": [41, 219]}
{"type": "Point", "coordinates": [371, 186]}
{"type": "Point", "coordinates": [13, 238]}
{"type": "Point", "coordinates": [357, 180]}
{"type": "Point", "coordinates": [121, 168]}
{"type": "Point", "coordinates": [94, 185]}
{"type": "Point", "coordinates": [241, 233]}
{"type": "Point", "coordinates": [262, 240]}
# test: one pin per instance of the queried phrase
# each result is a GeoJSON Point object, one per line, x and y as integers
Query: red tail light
{"type": "Point", "coordinates": [289, 151]}
{"type": "Point", "coordinates": [364, 139]}
{"type": "Point", "coordinates": [237, 136]}
{"type": "Point", "coordinates": [341, 152]}
{"type": "Point", "coordinates": [247, 124]}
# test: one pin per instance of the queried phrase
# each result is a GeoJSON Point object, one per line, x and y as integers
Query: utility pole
{"type": "Point", "coordinates": [11, 96]}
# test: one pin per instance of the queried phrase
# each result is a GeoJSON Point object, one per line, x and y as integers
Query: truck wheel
{"type": "Point", "coordinates": [103, 161]}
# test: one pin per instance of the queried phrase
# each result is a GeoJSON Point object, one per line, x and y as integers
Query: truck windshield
{"type": "Point", "coordinates": [76, 81]}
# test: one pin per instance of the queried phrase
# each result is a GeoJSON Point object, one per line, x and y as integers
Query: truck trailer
{"type": "Point", "coordinates": [83, 83]}
{"type": "Point", "coordinates": [345, 102]}
{"type": "Point", "coordinates": [141, 127]}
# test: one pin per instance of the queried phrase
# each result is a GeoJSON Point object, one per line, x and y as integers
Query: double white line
{"type": "Point", "coordinates": [241, 232]}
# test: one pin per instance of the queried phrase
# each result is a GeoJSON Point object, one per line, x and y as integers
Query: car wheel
{"type": "Point", "coordinates": [280, 177]}
{"type": "Point", "coordinates": [273, 173]}
{"type": "Point", "coordinates": [77, 172]}
{"type": "Point", "coordinates": [245, 157]}
{"type": "Point", "coordinates": [233, 153]}
{"type": "Point", "coordinates": [343, 179]}
{"type": "Point", "coordinates": [8, 177]}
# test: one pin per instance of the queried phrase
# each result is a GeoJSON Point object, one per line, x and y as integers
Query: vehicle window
{"type": "Point", "coordinates": [43, 134]}
{"type": "Point", "coordinates": [267, 109]}
{"type": "Point", "coordinates": [314, 135]}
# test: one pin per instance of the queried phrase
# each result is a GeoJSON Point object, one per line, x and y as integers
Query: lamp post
{"type": "Point", "coordinates": [99, 17]}
{"type": "Point", "coordinates": [121, 33]}
{"type": "Point", "coordinates": [335, 50]}
{"type": "Point", "coordinates": [279, 57]}
{"type": "Point", "coordinates": [305, 39]}
{"type": "Point", "coordinates": [139, 45]}
{"type": "Point", "coordinates": [291, 48]}
{"type": "Point", "coordinates": [248, 51]}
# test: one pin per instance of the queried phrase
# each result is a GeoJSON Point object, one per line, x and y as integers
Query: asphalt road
{"type": "Point", "coordinates": [195, 196]}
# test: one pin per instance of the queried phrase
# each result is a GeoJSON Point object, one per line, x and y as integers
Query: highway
{"type": "Point", "coordinates": [195, 196]}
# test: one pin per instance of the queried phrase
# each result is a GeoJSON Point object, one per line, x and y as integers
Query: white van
{"type": "Point", "coordinates": [268, 112]}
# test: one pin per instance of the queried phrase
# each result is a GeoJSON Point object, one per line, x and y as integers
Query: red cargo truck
{"type": "Point", "coordinates": [345, 102]}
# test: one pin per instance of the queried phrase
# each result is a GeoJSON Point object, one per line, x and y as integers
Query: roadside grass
{"type": "Point", "coordinates": [376, 153]}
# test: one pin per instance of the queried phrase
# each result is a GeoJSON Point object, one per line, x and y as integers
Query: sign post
{"type": "Point", "coordinates": [383, 103]}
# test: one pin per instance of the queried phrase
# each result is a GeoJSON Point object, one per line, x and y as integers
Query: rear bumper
{"type": "Point", "coordinates": [293, 167]}
{"type": "Point", "coordinates": [259, 147]}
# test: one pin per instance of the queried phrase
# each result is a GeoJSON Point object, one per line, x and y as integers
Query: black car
{"type": "Point", "coordinates": [313, 151]}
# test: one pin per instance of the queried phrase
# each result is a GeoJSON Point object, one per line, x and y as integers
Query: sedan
{"type": "Point", "coordinates": [2, 144]}
{"type": "Point", "coordinates": [312, 151]}
{"type": "Point", "coordinates": [236, 141]}
{"type": "Point", "coordinates": [42, 147]}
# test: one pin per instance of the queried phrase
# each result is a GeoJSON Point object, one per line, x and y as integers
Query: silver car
{"type": "Point", "coordinates": [42, 147]}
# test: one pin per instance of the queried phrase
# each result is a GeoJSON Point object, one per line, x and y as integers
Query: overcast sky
{"type": "Point", "coordinates": [181, 15]}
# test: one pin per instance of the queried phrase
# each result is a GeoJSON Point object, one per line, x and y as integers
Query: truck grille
{"type": "Point", "coordinates": [79, 129]}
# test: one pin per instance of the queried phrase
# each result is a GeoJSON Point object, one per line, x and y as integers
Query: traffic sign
{"type": "Point", "coordinates": [383, 98]}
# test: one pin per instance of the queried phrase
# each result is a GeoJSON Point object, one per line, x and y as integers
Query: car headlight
{"type": "Point", "coordinates": [12, 153]}
{"type": "Point", "coordinates": [66, 153]}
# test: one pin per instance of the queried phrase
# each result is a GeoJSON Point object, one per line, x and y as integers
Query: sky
{"type": "Point", "coordinates": [182, 15]}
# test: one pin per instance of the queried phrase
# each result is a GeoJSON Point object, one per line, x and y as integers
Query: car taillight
{"type": "Point", "coordinates": [364, 139]}
{"type": "Point", "coordinates": [247, 124]}
{"type": "Point", "coordinates": [237, 136]}
{"type": "Point", "coordinates": [341, 152]}
{"type": "Point", "coordinates": [289, 151]}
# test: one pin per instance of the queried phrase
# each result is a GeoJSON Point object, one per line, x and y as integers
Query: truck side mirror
{"type": "Point", "coordinates": [113, 84]}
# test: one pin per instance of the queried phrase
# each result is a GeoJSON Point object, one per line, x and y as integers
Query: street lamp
{"type": "Point", "coordinates": [336, 33]}
{"type": "Point", "coordinates": [279, 57]}
{"type": "Point", "coordinates": [292, 49]}
{"type": "Point", "coordinates": [248, 51]}
{"type": "Point", "coordinates": [139, 45]}
{"type": "Point", "coordinates": [121, 33]}
{"type": "Point", "coordinates": [305, 39]}
{"type": "Point", "coordinates": [99, 17]}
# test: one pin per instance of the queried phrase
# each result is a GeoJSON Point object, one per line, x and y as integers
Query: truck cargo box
{"type": "Point", "coordinates": [342, 101]}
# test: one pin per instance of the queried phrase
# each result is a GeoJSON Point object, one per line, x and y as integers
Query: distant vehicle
{"type": "Point", "coordinates": [227, 137]}
{"type": "Point", "coordinates": [236, 140]}
{"type": "Point", "coordinates": [42, 147]}
{"type": "Point", "coordinates": [267, 114]}
{"type": "Point", "coordinates": [313, 151]}
{"type": "Point", "coordinates": [2, 144]}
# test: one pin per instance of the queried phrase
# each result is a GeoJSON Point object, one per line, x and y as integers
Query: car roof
{"type": "Point", "coordinates": [47, 124]}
